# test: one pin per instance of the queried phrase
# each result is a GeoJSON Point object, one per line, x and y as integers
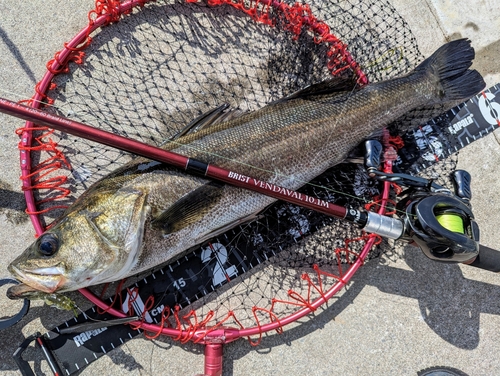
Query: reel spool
{"type": "Point", "coordinates": [443, 227]}
{"type": "Point", "coordinates": [452, 222]}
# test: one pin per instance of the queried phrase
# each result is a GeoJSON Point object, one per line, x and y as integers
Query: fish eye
{"type": "Point", "coordinates": [48, 244]}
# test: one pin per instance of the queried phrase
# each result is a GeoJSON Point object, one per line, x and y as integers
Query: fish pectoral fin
{"type": "Point", "coordinates": [340, 85]}
{"type": "Point", "coordinates": [229, 226]}
{"type": "Point", "coordinates": [189, 209]}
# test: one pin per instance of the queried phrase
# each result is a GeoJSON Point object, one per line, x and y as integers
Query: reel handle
{"type": "Point", "coordinates": [373, 151]}
{"type": "Point", "coordinates": [462, 179]}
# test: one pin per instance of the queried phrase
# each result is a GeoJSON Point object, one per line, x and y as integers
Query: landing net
{"type": "Point", "coordinates": [145, 69]}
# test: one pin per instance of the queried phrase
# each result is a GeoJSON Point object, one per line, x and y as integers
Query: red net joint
{"type": "Point", "coordinates": [251, 10]}
{"type": "Point", "coordinates": [108, 8]}
{"type": "Point", "coordinates": [75, 55]}
{"type": "Point", "coordinates": [57, 66]}
{"type": "Point", "coordinates": [38, 178]}
{"type": "Point", "coordinates": [142, 3]}
{"type": "Point", "coordinates": [81, 46]}
{"type": "Point", "coordinates": [272, 317]}
{"type": "Point", "coordinates": [41, 93]}
{"type": "Point", "coordinates": [379, 203]}
{"type": "Point", "coordinates": [165, 314]}
{"type": "Point", "coordinates": [117, 295]}
{"type": "Point", "coordinates": [43, 211]}
{"type": "Point", "coordinates": [302, 301]}
{"type": "Point", "coordinates": [395, 141]}
{"type": "Point", "coordinates": [219, 333]}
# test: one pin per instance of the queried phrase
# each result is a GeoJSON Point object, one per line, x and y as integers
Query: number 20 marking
{"type": "Point", "coordinates": [218, 252]}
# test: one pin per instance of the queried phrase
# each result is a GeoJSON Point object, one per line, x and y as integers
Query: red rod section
{"type": "Point", "coordinates": [188, 164]}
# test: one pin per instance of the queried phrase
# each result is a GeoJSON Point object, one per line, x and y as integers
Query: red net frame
{"type": "Point", "coordinates": [107, 12]}
{"type": "Point", "coordinates": [189, 327]}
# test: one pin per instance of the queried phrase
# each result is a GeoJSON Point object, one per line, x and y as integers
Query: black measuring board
{"type": "Point", "coordinates": [74, 351]}
{"type": "Point", "coordinates": [450, 132]}
{"type": "Point", "coordinates": [205, 268]}
{"type": "Point", "coordinates": [201, 271]}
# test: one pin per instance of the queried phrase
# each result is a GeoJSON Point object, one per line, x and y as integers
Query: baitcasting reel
{"type": "Point", "coordinates": [438, 220]}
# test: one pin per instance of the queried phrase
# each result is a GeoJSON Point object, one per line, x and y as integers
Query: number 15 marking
{"type": "Point", "coordinates": [179, 283]}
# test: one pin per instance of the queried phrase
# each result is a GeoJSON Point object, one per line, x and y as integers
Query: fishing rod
{"type": "Point", "coordinates": [440, 222]}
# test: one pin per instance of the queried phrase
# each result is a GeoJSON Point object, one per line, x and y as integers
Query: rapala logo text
{"type": "Point", "coordinates": [459, 125]}
{"type": "Point", "coordinates": [80, 339]}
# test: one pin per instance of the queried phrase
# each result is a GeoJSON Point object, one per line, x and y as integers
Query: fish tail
{"type": "Point", "coordinates": [448, 67]}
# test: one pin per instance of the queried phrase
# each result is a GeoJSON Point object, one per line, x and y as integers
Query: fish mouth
{"type": "Point", "coordinates": [21, 291]}
{"type": "Point", "coordinates": [46, 280]}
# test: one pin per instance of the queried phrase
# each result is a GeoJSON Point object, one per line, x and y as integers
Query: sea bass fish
{"type": "Point", "coordinates": [147, 213]}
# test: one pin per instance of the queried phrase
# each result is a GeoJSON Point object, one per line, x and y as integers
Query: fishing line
{"type": "Point", "coordinates": [452, 222]}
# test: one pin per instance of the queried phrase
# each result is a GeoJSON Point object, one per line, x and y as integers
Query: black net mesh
{"type": "Point", "coordinates": [156, 69]}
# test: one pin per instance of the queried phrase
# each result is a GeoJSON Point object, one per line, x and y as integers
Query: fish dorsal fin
{"type": "Point", "coordinates": [203, 121]}
{"type": "Point", "coordinates": [207, 123]}
{"type": "Point", "coordinates": [189, 209]}
{"type": "Point", "coordinates": [119, 220]}
{"type": "Point", "coordinates": [220, 118]}
{"type": "Point", "coordinates": [340, 85]}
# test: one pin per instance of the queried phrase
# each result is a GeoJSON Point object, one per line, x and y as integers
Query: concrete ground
{"type": "Point", "coordinates": [401, 314]}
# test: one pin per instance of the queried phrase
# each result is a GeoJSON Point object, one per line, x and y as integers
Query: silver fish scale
{"type": "Point", "coordinates": [292, 142]}
{"type": "Point", "coordinates": [287, 144]}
